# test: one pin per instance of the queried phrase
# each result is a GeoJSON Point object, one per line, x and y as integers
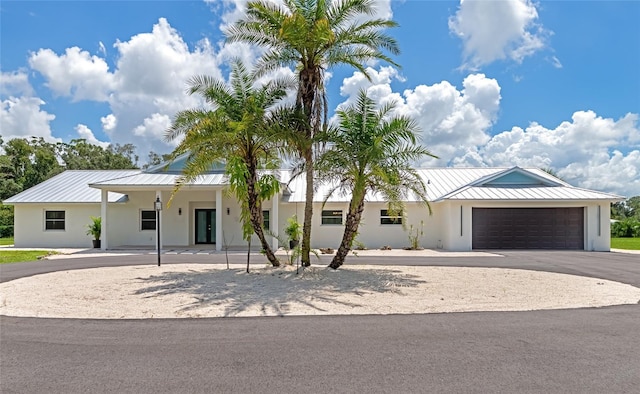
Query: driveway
{"type": "Point", "coordinates": [583, 350]}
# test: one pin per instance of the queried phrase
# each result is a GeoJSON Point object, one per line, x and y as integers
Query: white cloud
{"type": "Point", "coordinates": [109, 122]}
{"type": "Point", "coordinates": [15, 83]}
{"type": "Point", "coordinates": [21, 113]}
{"type": "Point", "coordinates": [589, 151]}
{"type": "Point", "coordinates": [22, 117]}
{"type": "Point", "coordinates": [451, 120]}
{"type": "Point", "coordinates": [153, 126]}
{"type": "Point", "coordinates": [555, 62]}
{"type": "Point", "coordinates": [77, 73]}
{"type": "Point", "coordinates": [102, 49]}
{"type": "Point", "coordinates": [85, 133]}
{"type": "Point", "coordinates": [149, 81]}
{"type": "Point", "coordinates": [497, 30]}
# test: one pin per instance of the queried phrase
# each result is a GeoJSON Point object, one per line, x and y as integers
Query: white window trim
{"type": "Point", "coordinates": [396, 217]}
{"type": "Point", "coordinates": [44, 224]}
{"type": "Point", "coordinates": [322, 217]}
{"type": "Point", "coordinates": [140, 220]}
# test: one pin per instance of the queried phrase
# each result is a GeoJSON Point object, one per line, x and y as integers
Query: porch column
{"type": "Point", "coordinates": [274, 225]}
{"type": "Point", "coordinates": [164, 205]}
{"type": "Point", "coordinates": [219, 220]}
{"type": "Point", "coordinates": [104, 200]}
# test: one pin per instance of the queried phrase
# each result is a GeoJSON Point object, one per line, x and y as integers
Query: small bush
{"type": "Point", "coordinates": [626, 228]}
{"type": "Point", "coordinates": [6, 231]}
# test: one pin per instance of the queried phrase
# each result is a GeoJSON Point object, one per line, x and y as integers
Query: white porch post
{"type": "Point", "coordinates": [103, 214]}
{"type": "Point", "coordinates": [274, 225]}
{"type": "Point", "coordinates": [159, 195]}
{"type": "Point", "coordinates": [219, 220]}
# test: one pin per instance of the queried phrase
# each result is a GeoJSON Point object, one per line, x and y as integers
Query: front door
{"type": "Point", "coordinates": [205, 226]}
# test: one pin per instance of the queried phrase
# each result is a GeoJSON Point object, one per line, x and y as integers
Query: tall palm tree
{"type": "Point", "coordinates": [237, 131]}
{"type": "Point", "coordinates": [312, 36]}
{"type": "Point", "coordinates": [370, 151]}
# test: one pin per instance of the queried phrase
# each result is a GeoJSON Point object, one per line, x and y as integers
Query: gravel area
{"type": "Point", "coordinates": [199, 290]}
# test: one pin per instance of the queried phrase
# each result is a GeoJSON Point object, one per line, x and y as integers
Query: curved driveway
{"type": "Point", "coordinates": [562, 351]}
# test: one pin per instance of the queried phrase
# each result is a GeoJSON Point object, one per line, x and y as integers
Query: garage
{"type": "Point", "coordinates": [528, 228]}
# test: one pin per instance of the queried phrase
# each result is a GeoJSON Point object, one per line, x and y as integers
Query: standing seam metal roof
{"type": "Point", "coordinates": [442, 184]}
{"type": "Point", "coordinates": [71, 186]}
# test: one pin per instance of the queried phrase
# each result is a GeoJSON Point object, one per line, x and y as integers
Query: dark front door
{"type": "Point", "coordinates": [205, 226]}
{"type": "Point", "coordinates": [528, 228]}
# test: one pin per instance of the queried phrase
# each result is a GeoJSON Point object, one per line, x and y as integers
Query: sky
{"type": "Point", "coordinates": [551, 84]}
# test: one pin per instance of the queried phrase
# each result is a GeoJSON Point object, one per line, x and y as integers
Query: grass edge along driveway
{"type": "Point", "coordinates": [626, 243]}
{"type": "Point", "coordinates": [18, 256]}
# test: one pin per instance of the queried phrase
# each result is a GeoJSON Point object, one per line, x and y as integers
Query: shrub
{"type": "Point", "coordinates": [6, 231]}
{"type": "Point", "coordinates": [626, 228]}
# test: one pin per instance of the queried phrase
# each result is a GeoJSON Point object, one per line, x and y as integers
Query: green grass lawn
{"type": "Point", "coordinates": [16, 256]}
{"type": "Point", "coordinates": [6, 241]}
{"type": "Point", "coordinates": [625, 243]}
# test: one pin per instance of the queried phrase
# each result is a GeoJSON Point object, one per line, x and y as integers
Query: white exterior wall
{"type": "Point", "coordinates": [598, 227]}
{"type": "Point", "coordinates": [457, 232]}
{"type": "Point", "coordinates": [124, 221]}
{"type": "Point", "coordinates": [29, 230]}
{"type": "Point", "coordinates": [177, 222]}
{"type": "Point", "coordinates": [441, 230]}
{"type": "Point", "coordinates": [372, 234]}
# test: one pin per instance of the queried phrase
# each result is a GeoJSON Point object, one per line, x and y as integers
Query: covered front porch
{"type": "Point", "coordinates": [198, 217]}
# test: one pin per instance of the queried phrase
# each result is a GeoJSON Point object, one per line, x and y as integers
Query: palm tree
{"type": "Point", "coordinates": [370, 151]}
{"type": "Point", "coordinates": [238, 131]}
{"type": "Point", "coordinates": [312, 36]}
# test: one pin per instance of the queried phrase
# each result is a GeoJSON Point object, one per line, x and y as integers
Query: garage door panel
{"type": "Point", "coordinates": [528, 228]}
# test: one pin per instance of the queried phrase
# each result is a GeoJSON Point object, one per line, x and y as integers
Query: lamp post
{"type": "Point", "coordinates": [158, 206]}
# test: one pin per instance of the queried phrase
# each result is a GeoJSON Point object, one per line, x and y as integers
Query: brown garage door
{"type": "Point", "coordinates": [528, 228]}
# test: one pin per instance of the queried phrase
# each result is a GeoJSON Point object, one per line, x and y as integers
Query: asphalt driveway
{"type": "Point", "coordinates": [563, 351]}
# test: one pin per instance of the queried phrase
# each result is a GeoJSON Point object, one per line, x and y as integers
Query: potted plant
{"type": "Point", "coordinates": [293, 231]}
{"type": "Point", "coordinates": [95, 229]}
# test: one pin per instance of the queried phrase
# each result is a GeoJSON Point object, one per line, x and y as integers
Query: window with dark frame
{"type": "Point", "coordinates": [54, 220]}
{"type": "Point", "coordinates": [265, 220]}
{"type": "Point", "coordinates": [147, 220]}
{"type": "Point", "coordinates": [332, 217]}
{"type": "Point", "coordinates": [385, 218]}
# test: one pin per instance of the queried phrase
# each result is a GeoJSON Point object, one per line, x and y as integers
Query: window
{"type": "Point", "coordinates": [385, 218]}
{"type": "Point", "coordinates": [331, 217]}
{"type": "Point", "coordinates": [265, 220]}
{"type": "Point", "coordinates": [147, 220]}
{"type": "Point", "coordinates": [54, 220]}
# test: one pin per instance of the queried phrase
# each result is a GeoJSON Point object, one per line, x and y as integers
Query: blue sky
{"type": "Point", "coordinates": [492, 83]}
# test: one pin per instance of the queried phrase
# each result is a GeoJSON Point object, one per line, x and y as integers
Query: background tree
{"type": "Point", "coordinates": [238, 131]}
{"type": "Point", "coordinates": [155, 158]}
{"type": "Point", "coordinates": [78, 154]}
{"type": "Point", "coordinates": [32, 160]}
{"type": "Point", "coordinates": [627, 218]}
{"type": "Point", "coordinates": [371, 151]}
{"type": "Point", "coordinates": [25, 162]}
{"type": "Point", "coordinates": [312, 36]}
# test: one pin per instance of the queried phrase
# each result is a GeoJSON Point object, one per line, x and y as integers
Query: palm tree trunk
{"type": "Point", "coordinates": [255, 212]}
{"type": "Point", "coordinates": [350, 230]}
{"type": "Point", "coordinates": [309, 83]}
{"type": "Point", "coordinates": [308, 211]}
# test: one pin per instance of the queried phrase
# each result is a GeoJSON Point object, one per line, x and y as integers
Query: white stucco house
{"type": "Point", "coordinates": [473, 208]}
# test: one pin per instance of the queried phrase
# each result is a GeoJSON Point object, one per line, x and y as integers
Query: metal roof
{"type": "Point", "coordinates": [71, 187]}
{"type": "Point", "coordinates": [529, 193]}
{"type": "Point", "coordinates": [467, 184]}
{"type": "Point", "coordinates": [143, 179]}
{"type": "Point", "coordinates": [442, 184]}
{"type": "Point", "coordinates": [439, 181]}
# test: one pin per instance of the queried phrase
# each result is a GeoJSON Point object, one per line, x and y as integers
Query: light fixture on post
{"type": "Point", "coordinates": [158, 206]}
{"type": "Point", "coordinates": [228, 211]}
{"type": "Point", "coordinates": [179, 211]}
